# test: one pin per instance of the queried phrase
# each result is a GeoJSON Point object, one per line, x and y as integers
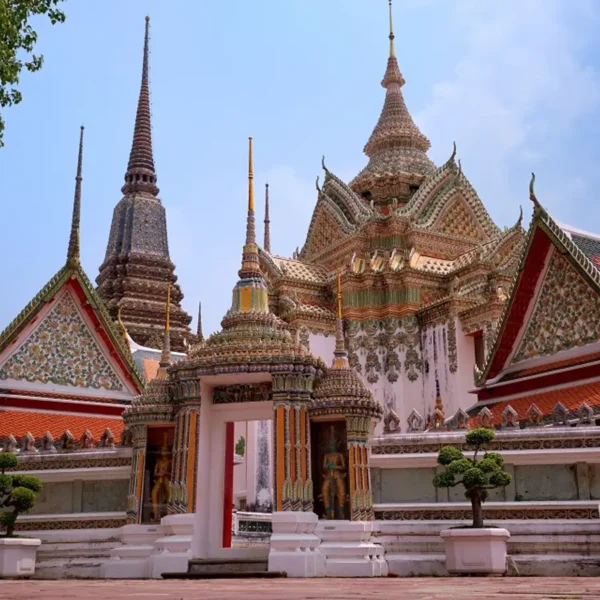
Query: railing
{"type": "Point", "coordinates": [249, 524]}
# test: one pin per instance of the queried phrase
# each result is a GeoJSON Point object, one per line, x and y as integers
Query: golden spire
{"type": "Point", "coordinates": [168, 310]}
{"type": "Point", "coordinates": [392, 51]}
{"type": "Point", "coordinates": [250, 177]}
{"type": "Point", "coordinates": [339, 294]}
{"type": "Point", "coordinates": [165, 357]}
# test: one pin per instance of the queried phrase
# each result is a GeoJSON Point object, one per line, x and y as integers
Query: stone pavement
{"type": "Point", "coordinates": [476, 588]}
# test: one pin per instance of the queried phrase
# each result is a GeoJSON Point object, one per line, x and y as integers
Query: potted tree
{"type": "Point", "coordinates": [474, 548]}
{"type": "Point", "coordinates": [17, 495]}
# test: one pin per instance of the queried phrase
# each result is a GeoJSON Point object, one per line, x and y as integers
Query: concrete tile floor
{"type": "Point", "coordinates": [475, 588]}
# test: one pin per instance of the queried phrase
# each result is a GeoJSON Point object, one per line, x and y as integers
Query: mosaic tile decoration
{"type": "Point", "coordinates": [62, 351]}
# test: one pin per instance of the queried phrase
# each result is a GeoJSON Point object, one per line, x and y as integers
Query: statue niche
{"type": "Point", "coordinates": [158, 474]}
{"type": "Point", "coordinates": [330, 469]}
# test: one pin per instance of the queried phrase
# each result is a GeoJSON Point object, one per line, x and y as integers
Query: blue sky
{"type": "Point", "coordinates": [515, 83]}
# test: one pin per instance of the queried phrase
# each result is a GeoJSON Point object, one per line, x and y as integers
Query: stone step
{"type": "Point", "coordinates": [228, 565]}
{"type": "Point", "coordinates": [226, 575]}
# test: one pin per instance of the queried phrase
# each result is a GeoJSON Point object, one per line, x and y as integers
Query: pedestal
{"type": "Point", "coordinates": [348, 550]}
{"type": "Point", "coordinates": [294, 547]}
{"type": "Point", "coordinates": [172, 552]}
{"type": "Point", "coordinates": [132, 559]}
{"type": "Point", "coordinates": [17, 556]}
{"type": "Point", "coordinates": [475, 550]}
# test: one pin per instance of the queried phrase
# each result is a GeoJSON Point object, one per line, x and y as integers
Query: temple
{"type": "Point", "coordinates": [137, 268]}
{"type": "Point", "coordinates": [302, 437]}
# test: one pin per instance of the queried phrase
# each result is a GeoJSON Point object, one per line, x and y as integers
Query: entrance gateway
{"type": "Point", "coordinates": [253, 369]}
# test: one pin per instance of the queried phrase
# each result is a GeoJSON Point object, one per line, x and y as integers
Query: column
{"type": "Point", "coordinates": [136, 480]}
{"type": "Point", "coordinates": [361, 496]}
{"type": "Point", "coordinates": [228, 484]}
{"type": "Point", "coordinates": [293, 490]}
{"type": "Point", "coordinates": [185, 449]}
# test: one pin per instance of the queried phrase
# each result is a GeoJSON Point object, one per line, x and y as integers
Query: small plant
{"type": "Point", "coordinates": [17, 493]}
{"type": "Point", "coordinates": [477, 476]}
{"type": "Point", "coordinates": [240, 446]}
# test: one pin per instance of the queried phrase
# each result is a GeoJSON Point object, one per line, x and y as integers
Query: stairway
{"type": "Point", "coordinates": [200, 568]}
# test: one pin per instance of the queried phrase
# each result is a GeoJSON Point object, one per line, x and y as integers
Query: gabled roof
{"type": "Point", "coordinates": [543, 236]}
{"type": "Point", "coordinates": [73, 274]}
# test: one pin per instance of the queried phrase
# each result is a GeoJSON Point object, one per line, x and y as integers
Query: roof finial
{"type": "Point", "coordinates": [532, 195]}
{"type": "Point", "coordinates": [165, 357]}
{"type": "Point", "coordinates": [141, 175]}
{"type": "Point", "coordinates": [250, 231]}
{"type": "Point", "coordinates": [73, 250]}
{"type": "Point", "coordinates": [340, 360]}
{"type": "Point", "coordinates": [392, 50]}
{"type": "Point", "coordinates": [199, 333]}
{"type": "Point", "coordinates": [121, 324]}
{"type": "Point", "coordinates": [453, 155]}
{"type": "Point", "coordinates": [267, 242]}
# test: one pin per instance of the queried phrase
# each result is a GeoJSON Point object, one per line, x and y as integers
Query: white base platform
{"type": "Point", "coordinates": [349, 551]}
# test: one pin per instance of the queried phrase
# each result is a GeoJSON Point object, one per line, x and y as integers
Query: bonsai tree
{"type": "Point", "coordinates": [476, 475]}
{"type": "Point", "coordinates": [17, 493]}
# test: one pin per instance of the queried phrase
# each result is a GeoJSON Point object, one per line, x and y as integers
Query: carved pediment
{"type": "Point", "coordinates": [567, 313]}
{"type": "Point", "coordinates": [458, 219]}
{"type": "Point", "coordinates": [326, 230]}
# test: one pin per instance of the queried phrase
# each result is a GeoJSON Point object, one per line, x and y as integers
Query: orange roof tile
{"type": "Point", "coordinates": [18, 423]}
{"type": "Point", "coordinates": [571, 398]}
{"type": "Point", "coordinates": [150, 368]}
{"type": "Point", "coordinates": [569, 362]}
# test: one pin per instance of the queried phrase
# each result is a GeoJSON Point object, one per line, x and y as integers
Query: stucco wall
{"type": "Point", "coordinates": [531, 483]}
{"type": "Point", "coordinates": [64, 497]}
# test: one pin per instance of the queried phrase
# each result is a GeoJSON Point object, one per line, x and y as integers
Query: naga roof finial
{"type": "Point", "coordinates": [520, 219]}
{"type": "Point", "coordinates": [532, 195]}
{"type": "Point", "coordinates": [121, 324]}
{"type": "Point", "coordinates": [453, 155]}
{"type": "Point", "coordinates": [317, 185]}
{"type": "Point", "coordinates": [73, 250]}
{"type": "Point", "coordinates": [392, 36]}
{"type": "Point", "coordinates": [323, 166]}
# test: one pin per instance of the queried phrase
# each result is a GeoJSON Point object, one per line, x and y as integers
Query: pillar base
{"type": "Point", "coordinates": [131, 560]}
{"type": "Point", "coordinates": [172, 552]}
{"type": "Point", "coordinates": [348, 550]}
{"type": "Point", "coordinates": [294, 547]}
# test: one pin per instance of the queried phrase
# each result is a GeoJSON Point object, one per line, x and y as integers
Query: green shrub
{"type": "Point", "coordinates": [476, 475]}
{"type": "Point", "coordinates": [17, 493]}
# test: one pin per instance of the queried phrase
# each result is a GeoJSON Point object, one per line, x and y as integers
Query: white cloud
{"type": "Point", "coordinates": [516, 91]}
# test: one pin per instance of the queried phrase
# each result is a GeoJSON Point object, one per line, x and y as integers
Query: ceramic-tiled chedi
{"type": "Point", "coordinates": [137, 268]}
{"type": "Point", "coordinates": [425, 270]}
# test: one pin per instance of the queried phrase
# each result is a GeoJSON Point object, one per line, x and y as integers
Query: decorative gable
{"type": "Point", "coordinates": [62, 350]}
{"type": "Point", "coordinates": [567, 313]}
{"type": "Point", "coordinates": [459, 220]}
{"type": "Point", "coordinates": [325, 231]}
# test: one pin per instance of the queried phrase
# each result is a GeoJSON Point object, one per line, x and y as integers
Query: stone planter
{"type": "Point", "coordinates": [475, 551]}
{"type": "Point", "coordinates": [17, 556]}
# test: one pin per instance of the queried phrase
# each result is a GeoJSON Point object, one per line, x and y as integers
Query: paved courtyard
{"type": "Point", "coordinates": [314, 589]}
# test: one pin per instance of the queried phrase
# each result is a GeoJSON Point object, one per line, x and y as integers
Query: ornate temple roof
{"type": "Point", "coordinates": [21, 422]}
{"type": "Point", "coordinates": [251, 338]}
{"type": "Point", "coordinates": [552, 266]}
{"type": "Point", "coordinates": [397, 150]}
{"type": "Point", "coordinates": [137, 267]}
{"type": "Point", "coordinates": [341, 390]}
{"type": "Point", "coordinates": [72, 274]}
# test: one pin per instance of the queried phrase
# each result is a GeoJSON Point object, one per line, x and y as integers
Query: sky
{"type": "Point", "coordinates": [515, 83]}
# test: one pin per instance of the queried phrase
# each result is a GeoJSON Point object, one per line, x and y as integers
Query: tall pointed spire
{"type": "Point", "coordinates": [267, 242]}
{"type": "Point", "coordinates": [397, 149]}
{"type": "Point", "coordinates": [141, 175]}
{"type": "Point", "coordinates": [73, 250]}
{"type": "Point", "coordinates": [250, 294]}
{"type": "Point", "coordinates": [392, 50]}
{"type": "Point", "coordinates": [199, 333]}
{"type": "Point", "coordinates": [340, 360]}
